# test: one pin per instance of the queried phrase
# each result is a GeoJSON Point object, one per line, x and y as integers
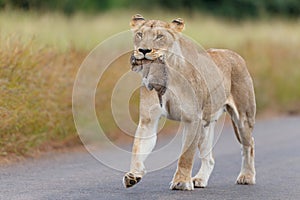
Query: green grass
{"type": "Point", "coordinates": [41, 53]}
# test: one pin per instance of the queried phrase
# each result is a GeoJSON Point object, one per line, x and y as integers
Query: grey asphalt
{"type": "Point", "coordinates": [77, 175]}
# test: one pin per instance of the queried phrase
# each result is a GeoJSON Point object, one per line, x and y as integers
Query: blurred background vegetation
{"type": "Point", "coordinates": [229, 8]}
{"type": "Point", "coordinates": [43, 43]}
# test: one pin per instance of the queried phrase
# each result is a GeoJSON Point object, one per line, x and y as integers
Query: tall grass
{"type": "Point", "coordinates": [41, 53]}
{"type": "Point", "coordinates": [35, 89]}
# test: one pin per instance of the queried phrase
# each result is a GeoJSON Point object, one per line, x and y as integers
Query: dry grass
{"type": "Point", "coordinates": [35, 89]}
{"type": "Point", "coordinates": [40, 55]}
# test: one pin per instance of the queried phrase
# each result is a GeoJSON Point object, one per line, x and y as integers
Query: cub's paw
{"type": "Point", "coordinates": [181, 186]}
{"type": "Point", "coordinates": [130, 180]}
{"type": "Point", "coordinates": [199, 183]}
{"type": "Point", "coordinates": [246, 179]}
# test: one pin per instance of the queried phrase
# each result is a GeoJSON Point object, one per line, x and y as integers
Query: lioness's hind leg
{"type": "Point", "coordinates": [243, 126]}
{"type": "Point", "coordinates": [247, 174]}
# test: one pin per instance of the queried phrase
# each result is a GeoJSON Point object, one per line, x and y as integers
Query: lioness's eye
{"type": "Point", "coordinates": [159, 36]}
{"type": "Point", "coordinates": [139, 35]}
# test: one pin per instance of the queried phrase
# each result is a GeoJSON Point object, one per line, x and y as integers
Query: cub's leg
{"type": "Point", "coordinates": [145, 136]}
{"type": "Point", "coordinates": [205, 146]}
{"type": "Point", "coordinates": [182, 178]}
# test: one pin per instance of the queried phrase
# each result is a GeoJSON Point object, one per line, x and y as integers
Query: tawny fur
{"type": "Point", "coordinates": [201, 86]}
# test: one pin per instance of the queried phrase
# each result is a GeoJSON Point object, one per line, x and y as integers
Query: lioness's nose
{"type": "Point", "coordinates": [144, 51]}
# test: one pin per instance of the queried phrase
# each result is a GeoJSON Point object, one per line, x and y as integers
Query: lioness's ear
{"type": "Point", "coordinates": [136, 21]}
{"type": "Point", "coordinates": [178, 24]}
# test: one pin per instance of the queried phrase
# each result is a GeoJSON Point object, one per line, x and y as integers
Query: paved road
{"type": "Point", "coordinates": [77, 175]}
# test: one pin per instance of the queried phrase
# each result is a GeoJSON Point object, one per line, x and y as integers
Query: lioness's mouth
{"type": "Point", "coordinates": [135, 62]}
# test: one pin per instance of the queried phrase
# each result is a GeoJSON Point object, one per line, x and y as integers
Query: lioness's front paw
{"type": "Point", "coordinates": [182, 186]}
{"type": "Point", "coordinates": [246, 179]}
{"type": "Point", "coordinates": [199, 183]}
{"type": "Point", "coordinates": [130, 180]}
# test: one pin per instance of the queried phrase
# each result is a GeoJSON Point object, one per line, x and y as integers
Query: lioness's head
{"type": "Point", "coordinates": [154, 38]}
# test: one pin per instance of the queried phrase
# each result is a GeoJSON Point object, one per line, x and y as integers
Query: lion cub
{"type": "Point", "coordinates": [156, 68]}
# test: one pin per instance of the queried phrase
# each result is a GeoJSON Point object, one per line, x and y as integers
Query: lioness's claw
{"type": "Point", "coordinates": [181, 186]}
{"type": "Point", "coordinates": [130, 180]}
{"type": "Point", "coordinates": [246, 179]}
{"type": "Point", "coordinates": [199, 183]}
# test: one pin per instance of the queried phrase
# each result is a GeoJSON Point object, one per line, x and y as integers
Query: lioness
{"type": "Point", "coordinates": [194, 87]}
